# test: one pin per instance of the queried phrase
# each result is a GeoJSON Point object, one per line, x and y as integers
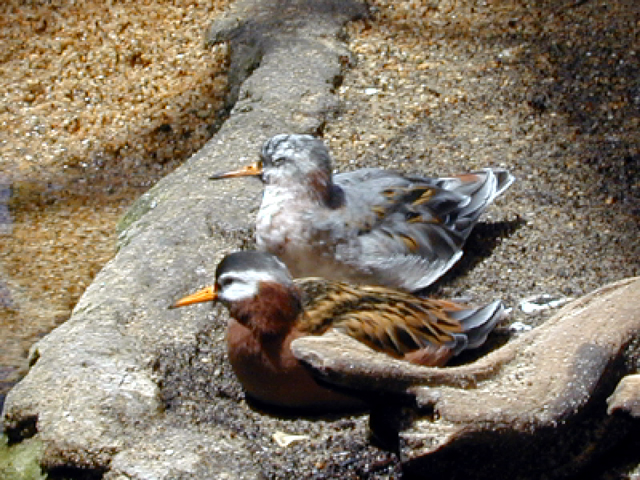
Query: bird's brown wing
{"type": "Point", "coordinates": [389, 321]}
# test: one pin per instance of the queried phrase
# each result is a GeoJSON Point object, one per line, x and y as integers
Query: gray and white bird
{"type": "Point", "coordinates": [370, 226]}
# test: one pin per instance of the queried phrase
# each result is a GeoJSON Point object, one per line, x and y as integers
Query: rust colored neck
{"type": "Point", "coordinates": [272, 313]}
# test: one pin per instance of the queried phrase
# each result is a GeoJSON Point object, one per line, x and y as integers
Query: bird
{"type": "Point", "coordinates": [268, 310]}
{"type": "Point", "coordinates": [370, 226]}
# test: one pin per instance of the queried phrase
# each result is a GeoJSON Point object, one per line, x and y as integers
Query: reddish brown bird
{"type": "Point", "coordinates": [269, 310]}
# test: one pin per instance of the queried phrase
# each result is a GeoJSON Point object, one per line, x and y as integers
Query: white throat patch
{"type": "Point", "coordinates": [243, 286]}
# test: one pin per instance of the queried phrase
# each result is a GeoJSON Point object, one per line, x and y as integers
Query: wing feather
{"type": "Point", "coordinates": [419, 223]}
{"type": "Point", "coordinates": [391, 321]}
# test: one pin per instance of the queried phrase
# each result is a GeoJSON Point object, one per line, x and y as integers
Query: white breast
{"type": "Point", "coordinates": [284, 227]}
{"type": "Point", "coordinates": [280, 220]}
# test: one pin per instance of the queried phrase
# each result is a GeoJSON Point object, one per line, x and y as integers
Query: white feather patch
{"type": "Point", "coordinates": [242, 286]}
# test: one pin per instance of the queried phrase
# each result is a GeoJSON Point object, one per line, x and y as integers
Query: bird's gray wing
{"type": "Point", "coordinates": [412, 229]}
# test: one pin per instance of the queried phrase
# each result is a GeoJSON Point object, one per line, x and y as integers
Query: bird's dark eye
{"type": "Point", "coordinates": [225, 282]}
{"type": "Point", "coordinates": [278, 161]}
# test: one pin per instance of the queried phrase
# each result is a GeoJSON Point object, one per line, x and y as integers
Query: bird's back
{"type": "Point", "coordinates": [410, 230]}
{"type": "Point", "coordinates": [394, 322]}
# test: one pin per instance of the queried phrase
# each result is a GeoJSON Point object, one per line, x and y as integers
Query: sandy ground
{"type": "Point", "coordinates": [99, 100]}
{"type": "Point", "coordinates": [548, 90]}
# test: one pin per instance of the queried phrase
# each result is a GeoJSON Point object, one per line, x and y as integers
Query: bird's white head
{"type": "Point", "coordinates": [239, 275]}
{"type": "Point", "coordinates": [294, 160]}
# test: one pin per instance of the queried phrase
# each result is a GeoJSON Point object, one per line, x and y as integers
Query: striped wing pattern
{"type": "Point", "coordinates": [389, 321]}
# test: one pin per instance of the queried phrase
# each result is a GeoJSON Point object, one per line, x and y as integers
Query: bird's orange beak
{"type": "Point", "coordinates": [253, 170]}
{"type": "Point", "coordinates": [208, 294]}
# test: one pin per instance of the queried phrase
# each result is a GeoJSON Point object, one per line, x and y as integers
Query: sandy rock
{"type": "Point", "coordinates": [536, 406]}
{"type": "Point", "coordinates": [626, 397]}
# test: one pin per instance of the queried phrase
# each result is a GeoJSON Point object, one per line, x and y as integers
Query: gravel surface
{"type": "Point", "coordinates": [99, 100]}
{"type": "Point", "coordinates": [547, 90]}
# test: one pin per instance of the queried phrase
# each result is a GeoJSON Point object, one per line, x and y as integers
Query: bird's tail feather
{"type": "Point", "coordinates": [477, 323]}
{"type": "Point", "coordinates": [482, 188]}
